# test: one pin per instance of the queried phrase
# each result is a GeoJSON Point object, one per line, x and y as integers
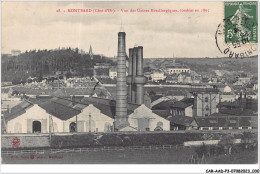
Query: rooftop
{"type": "Point", "coordinates": [184, 103]}
{"type": "Point", "coordinates": [224, 121]}
{"type": "Point", "coordinates": [17, 110]}
{"type": "Point", "coordinates": [181, 120]}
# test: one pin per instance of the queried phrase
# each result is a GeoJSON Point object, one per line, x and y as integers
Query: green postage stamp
{"type": "Point", "coordinates": [241, 22]}
{"type": "Point", "coordinates": [237, 35]}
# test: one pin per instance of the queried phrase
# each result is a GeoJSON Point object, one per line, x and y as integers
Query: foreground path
{"type": "Point", "coordinates": [127, 156]}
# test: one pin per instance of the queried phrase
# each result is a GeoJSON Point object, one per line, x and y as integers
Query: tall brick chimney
{"type": "Point", "coordinates": [121, 119]}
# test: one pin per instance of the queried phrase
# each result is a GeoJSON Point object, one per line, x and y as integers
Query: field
{"type": "Point", "coordinates": [126, 156]}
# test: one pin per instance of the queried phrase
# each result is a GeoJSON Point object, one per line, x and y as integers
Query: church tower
{"type": "Point", "coordinates": [90, 52]}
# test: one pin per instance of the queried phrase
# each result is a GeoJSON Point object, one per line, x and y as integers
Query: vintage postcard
{"type": "Point", "coordinates": [130, 83]}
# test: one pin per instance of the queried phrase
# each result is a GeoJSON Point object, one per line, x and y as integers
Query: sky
{"type": "Point", "coordinates": [38, 25]}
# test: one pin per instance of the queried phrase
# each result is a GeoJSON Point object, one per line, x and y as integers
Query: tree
{"type": "Point", "coordinates": [201, 150]}
{"type": "Point", "coordinates": [68, 75]}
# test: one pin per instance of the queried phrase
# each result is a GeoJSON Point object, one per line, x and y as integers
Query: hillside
{"type": "Point", "coordinates": [248, 65]}
{"type": "Point", "coordinates": [48, 62]}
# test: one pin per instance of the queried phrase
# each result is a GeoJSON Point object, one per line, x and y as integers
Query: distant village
{"type": "Point", "coordinates": [175, 96]}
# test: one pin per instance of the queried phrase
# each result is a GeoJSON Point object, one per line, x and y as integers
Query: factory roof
{"type": "Point", "coordinates": [17, 110]}
{"type": "Point", "coordinates": [239, 112]}
{"type": "Point", "coordinates": [163, 105]}
{"type": "Point", "coordinates": [155, 97]}
{"type": "Point", "coordinates": [163, 113]}
{"type": "Point", "coordinates": [107, 106]}
{"type": "Point", "coordinates": [225, 122]}
{"type": "Point", "coordinates": [184, 103]}
{"type": "Point", "coordinates": [62, 92]}
{"type": "Point", "coordinates": [204, 90]}
{"type": "Point", "coordinates": [179, 91]}
{"type": "Point", "coordinates": [183, 120]}
{"type": "Point", "coordinates": [59, 107]}
{"type": "Point", "coordinates": [59, 110]}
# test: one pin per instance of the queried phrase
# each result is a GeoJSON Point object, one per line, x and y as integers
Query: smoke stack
{"type": "Point", "coordinates": [134, 62]}
{"type": "Point", "coordinates": [136, 79]}
{"type": "Point", "coordinates": [129, 77]}
{"type": "Point", "coordinates": [121, 88]}
{"type": "Point", "coordinates": [140, 79]}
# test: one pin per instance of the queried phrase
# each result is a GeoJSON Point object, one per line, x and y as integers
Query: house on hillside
{"type": "Point", "coordinates": [172, 78]}
{"type": "Point", "coordinates": [113, 72]}
{"type": "Point", "coordinates": [196, 79]}
{"type": "Point", "coordinates": [177, 68]}
{"type": "Point", "coordinates": [224, 88]}
{"type": "Point", "coordinates": [242, 80]}
{"type": "Point", "coordinates": [158, 75]}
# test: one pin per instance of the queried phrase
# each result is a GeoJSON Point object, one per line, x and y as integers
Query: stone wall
{"type": "Point", "coordinates": [24, 141]}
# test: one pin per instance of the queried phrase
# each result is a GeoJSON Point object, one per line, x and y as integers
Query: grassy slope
{"type": "Point", "coordinates": [207, 64]}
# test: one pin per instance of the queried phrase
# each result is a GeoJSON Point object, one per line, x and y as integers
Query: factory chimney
{"type": "Point", "coordinates": [121, 88]}
{"type": "Point", "coordinates": [136, 79]}
{"type": "Point", "coordinates": [140, 79]}
{"type": "Point", "coordinates": [129, 77]}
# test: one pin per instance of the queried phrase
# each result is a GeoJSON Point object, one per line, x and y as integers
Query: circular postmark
{"type": "Point", "coordinates": [236, 35]}
{"type": "Point", "coordinates": [15, 142]}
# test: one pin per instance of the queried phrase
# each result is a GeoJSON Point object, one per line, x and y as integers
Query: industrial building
{"type": "Point", "coordinates": [127, 113]}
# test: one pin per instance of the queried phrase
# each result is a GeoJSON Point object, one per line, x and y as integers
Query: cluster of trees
{"type": "Point", "coordinates": [47, 62]}
{"type": "Point", "coordinates": [226, 146]}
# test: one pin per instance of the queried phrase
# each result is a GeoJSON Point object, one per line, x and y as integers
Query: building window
{"type": "Point", "coordinates": [159, 126]}
{"type": "Point", "coordinates": [206, 115]}
{"type": "Point", "coordinates": [147, 129]}
{"type": "Point", "coordinates": [73, 127]}
{"type": "Point", "coordinates": [37, 127]}
{"type": "Point", "coordinates": [206, 99]}
{"type": "Point", "coordinates": [207, 107]}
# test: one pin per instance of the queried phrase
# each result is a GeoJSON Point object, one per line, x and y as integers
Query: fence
{"type": "Point", "coordinates": [52, 151]}
{"type": "Point", "coordinates": [23, 152]}
{"type": "Point", "coordinates": [115, 148]}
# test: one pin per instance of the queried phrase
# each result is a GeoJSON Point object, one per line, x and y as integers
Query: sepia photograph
{"type": "Point", "coordinates": [141, 82]}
